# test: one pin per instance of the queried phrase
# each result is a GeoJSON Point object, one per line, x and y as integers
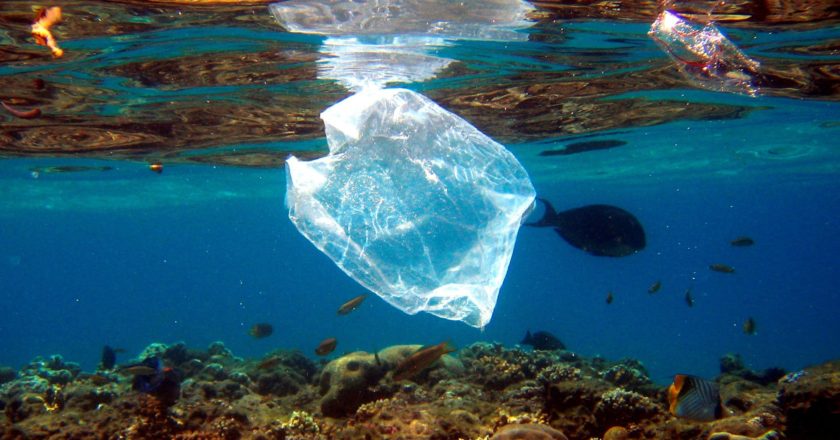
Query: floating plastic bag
{"type": "Point", "coordinates": [474, 19]}
{"type": "Point", "coordinates": [412, 202]}
{"type": "Point", "coordinates": [359, 63]}
{"type": "Point", "coordinates": [372, 44]}
{"type": "Point", "coordinates": [704, 55]}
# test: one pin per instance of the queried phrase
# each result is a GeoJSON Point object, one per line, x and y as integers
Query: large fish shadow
{"type": "Point", "coordinates": [601, 230]}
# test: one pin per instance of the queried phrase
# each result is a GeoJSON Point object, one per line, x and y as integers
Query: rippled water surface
{"type": "Point", "coordinates": [97, 249]}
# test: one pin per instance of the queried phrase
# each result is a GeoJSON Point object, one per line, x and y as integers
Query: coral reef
{"type": "Point", "coordinates": [486, 391]}
{"type": "Point", "coordinates": [528, 431]}
{"type": "Point", "coordinates": [810, 401]}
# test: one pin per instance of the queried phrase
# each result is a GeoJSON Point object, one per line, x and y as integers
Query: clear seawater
{"type": "Point", "coordinates": [201, 252]}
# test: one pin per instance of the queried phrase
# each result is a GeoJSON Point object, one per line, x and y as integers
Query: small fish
{"type": "Point", "coordinates": [694, 398]}
{"type": "Point", "coordinates": [689, 298]}
{"type": "Point", "coordinates": [420, 360]}
{"type": "Point", "coordinates": [269, 363]}
{"type": "Point", "coordinates": [44, 20]}
{"type": "Point", "coordinates": [655, 287]}
{"type": "Point", "coordinates": [59, 169]}
{"type": "Point", "coordinates": [749, 326]}
{"type": "Point", "coordinates": [261, 330]}
{"type": "Point", "coordinates": [156, 167]}
{"type": "Point", "coordinates": [718, 267]}
{"type": "Point", "coordinates": [98, 379]}
{"type": "Point", "coordinates": [23, 114]}
{"type": "Point", "coordinates": [109, 358]}
{"type": "Point", "coordinates": [609, 297]}
{"type": "Point", "coordinates": [351, 305]}
{"type": "Point", "coordinates": [146, 367]}
{"type": "Point", "coordinates": [742, 241]}
{"type": "Point", "coordinates": [543, 341]}
{"type": "Point", "coordinates": [326, 346]}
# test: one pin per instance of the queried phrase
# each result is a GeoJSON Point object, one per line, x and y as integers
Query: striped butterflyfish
{"type": "Point", "coordinates": [694, 398]}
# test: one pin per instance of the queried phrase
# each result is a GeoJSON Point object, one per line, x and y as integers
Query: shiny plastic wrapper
{"type": "Point", "coordinates": [704, 55]}
{"type": "Point", "coordinates": [479, 19]}
{"type": "Point", "coordinates": [412, 202]}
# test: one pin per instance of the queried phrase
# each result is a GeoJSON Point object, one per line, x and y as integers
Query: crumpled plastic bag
{"type": "Point", "coordinates": [704, 55]}
{"type": "Point", "coordinates": [412, 202]}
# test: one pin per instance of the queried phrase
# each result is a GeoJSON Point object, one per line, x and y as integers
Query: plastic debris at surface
{"type": "Point", "coordinates": [374, 44]}
{"type": "Point", "coordinates": [704, 55]}
{"type": "Point", "coordinates": [477, 19]}
{"type": "Point", "coordinates": [412, 202]}
{"type": "Point", "coordinates": [358, 63]}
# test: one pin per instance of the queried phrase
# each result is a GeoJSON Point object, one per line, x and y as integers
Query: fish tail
{"type": "Point", "coordinates": [548, 215]}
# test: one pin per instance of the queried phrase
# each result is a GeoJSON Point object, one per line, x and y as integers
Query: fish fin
{"type": "Point", "coordinates": [528, 339]}
{"type": "Point", "coordinates": [698, 399]}
{"type": "Point", "coordinates": [449, 347]}
{"type": "Point", "coordinates": [549, 214]}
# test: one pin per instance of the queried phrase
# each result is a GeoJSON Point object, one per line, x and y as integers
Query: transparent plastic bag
{"type": "Point", "coordinates": [412, 202]}
{"type": "Point", "coordinates": [477, 19]}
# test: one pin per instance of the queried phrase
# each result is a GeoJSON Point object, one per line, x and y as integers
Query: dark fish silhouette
{"type": "Point", "coordinates": [69, 169]}
{"type": "Point", "coordinates": [601, 230]}
{"type": "Point", "coordinates": [655, 287]}
{"type": "Point", "coordinates": [749, 326]}
{"type": "Point", "coordinates": [723, 268]}
{"type": "Point", "coordinates": [261, 330]}
{"type": "Point", "coordinates": [742, 241]}
{"type": "Point", "coordinates": [610, 298]}
{"type": "Point", "coordinates": [543, 341]}
{"type": "Point", "coordinates": [109, 358]}
{"type": "Point", "coordinates": [151, 377]}
{"type": "Point", "coordinates": [694, 398]}
{"type": "Point", "coordinates": [580, 147]}
{"type": "Point", "coordinates": [689, 298]}
{"type": "Point", "coordinates": [326, 346]}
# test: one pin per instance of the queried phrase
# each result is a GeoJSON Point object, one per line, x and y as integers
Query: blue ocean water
{"type": "Point", "coordinates": [200, 253]}
{"type": "Point", "coordinates": [76, 279]}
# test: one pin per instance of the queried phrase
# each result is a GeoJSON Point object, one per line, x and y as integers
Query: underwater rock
{"type": "Point", "coordinates": [617, 433]}
{"type": "Point", "coordinates": [569, 406]}
{"type": "Point", "coordinates": [349, 381]}
{"type": "Point", "coordinates": [87, 397]}
{"type": "Point", "coordinates": [7, 374]}
{"type": "Point", "coordinates": [811, 402]}
{"type": "Point", "coordinates": [281, 381]}
{"type": "Point", "coordinates": [153, 350]}
{"type": "Point", "coordinates": [496, 367]}
{"type": "Point", "coordinates": [732, 364]}
{"type": "Point", "coordinates": [213, 372]}
{"type": "Point", "coordinates": [628, 373]}
{"type": "Point", "coordinates": [622, 407]}
{"type": "Point", "coordinates": [217, 349]}
{"type": "Point", "coordinates": [528, 431]}
{"type": "Point", "coordinates": [769, 435]}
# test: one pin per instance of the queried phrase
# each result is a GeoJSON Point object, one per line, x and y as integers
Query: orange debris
{"type": "Point", "coordinates": [41, 29]}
